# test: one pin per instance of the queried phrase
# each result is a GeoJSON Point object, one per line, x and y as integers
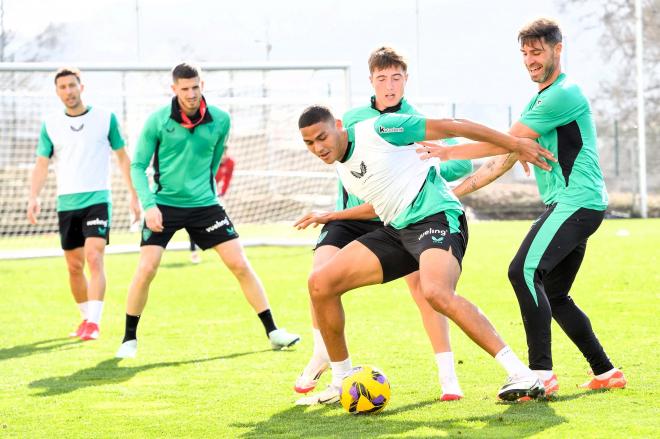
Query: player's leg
{"type": "Point", "coordinates": [94, 252]}
{"type": "Point", "coordinates": [72, 242]}
{"type": "Point", "coordinates": [436, 326]}
{"type": "Point", "coordinates": [440, 242]}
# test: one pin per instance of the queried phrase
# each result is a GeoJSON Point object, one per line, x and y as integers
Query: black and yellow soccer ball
{"type": "Point", "coordinates": [365, 390]}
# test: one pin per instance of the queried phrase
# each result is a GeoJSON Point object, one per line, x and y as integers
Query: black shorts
{"type": "Point", "coordinates": [395, 248]}
{"type": "Point", "coordinates": [89, 222]}
{"type": "Point", "coordinates": [340, 233]}
{"type": "Point", "coordinates": [207, 226]}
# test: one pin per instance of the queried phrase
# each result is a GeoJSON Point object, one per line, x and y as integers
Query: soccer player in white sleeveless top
{"type": "Point", "coordinates": [80, 140]}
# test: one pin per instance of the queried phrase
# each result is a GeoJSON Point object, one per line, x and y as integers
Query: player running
{"type": "Point", "coordinates": [186, 140]}
{"type": "Point", "coordinates": [79, 140]}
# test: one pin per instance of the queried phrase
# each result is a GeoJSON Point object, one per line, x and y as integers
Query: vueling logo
{"type": "Point", "coordinates": [217, 225]}
{"type": "Point", "coordinates": [363, 170]}
{"type": "Point", "coordinates": [97, 222]}
{"type": "Point", "coordinates": [432, 231]}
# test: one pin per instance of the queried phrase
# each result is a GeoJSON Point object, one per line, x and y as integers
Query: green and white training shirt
{"type": "Point", "coordinates": [80, 147]}
{"type": "Point", "coordinates": [561, 114]}
{"type": "Point", "coordinates": [383, 169]}
{"type": "Point", "coordinates": [184, 160]}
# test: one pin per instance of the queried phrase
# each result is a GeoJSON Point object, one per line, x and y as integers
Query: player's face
{"type": "Point", "coordinates": [188, 92]}
{"type": "Point", "coordinates": [541, 60]}
{"type": "Point", "coordinates": [324, 141]}
{"type": "Point", "coordinates": [389, 85]}
{"type": "Point", "coordinates": [68, 89]}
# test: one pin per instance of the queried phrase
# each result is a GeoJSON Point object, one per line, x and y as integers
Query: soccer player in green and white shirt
{"type": "Point", "coordinates": [388, 74]}
{"type": "Point", "coordinates": [547, 262]}
{"type": "Point", "coordinates": [185, 140]}
{"type": "Point", "coordinates": [79, 140]}
{"type": "Point", "coordinates": [377, 161]}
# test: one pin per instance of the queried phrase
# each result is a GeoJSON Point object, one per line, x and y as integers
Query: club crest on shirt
{"type": "Point", "coordinates": [77, 129]}
{"type": "Point", "coordinates": [363, 170]}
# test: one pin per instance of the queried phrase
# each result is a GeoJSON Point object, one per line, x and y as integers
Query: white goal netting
{"type": "Point", "coordinates": [275, 178]}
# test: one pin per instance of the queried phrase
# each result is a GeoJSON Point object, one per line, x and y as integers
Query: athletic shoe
{"type": "Point", "coordinates": [281, 339]}
{"type": "Point", "coordinates": [328, 396]}
{"type": "Point", "coordinates": [551, 388]}
{"type": "Point", "coordinates": [91, 331]}
{"type": "Point", "coordinates": [128, 349]}
{"type": "Point", "coordinates": [306, 382]}
{"type": "Point", "coordinates": [450, 397]}
{"type": "Point", "coordinates": [516, 388]}
{"type": "Point", "coordinates": [616, 381]}
{"type": "Point", "coordinates": [79, 331]}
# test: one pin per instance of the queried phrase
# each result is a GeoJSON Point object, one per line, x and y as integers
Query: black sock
{"type": "Point", "coordinates": [130, 333]}
{"type": "Point", "coordinates": [267, 320]}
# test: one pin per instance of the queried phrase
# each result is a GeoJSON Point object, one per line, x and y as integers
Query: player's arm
{"type": "Point", "coordinates": [362, 212]}
{"type": "Point", "coordinates": [45, 150]}
{"type": "Point", "coordinates": [220, 146]}
{"type": "Point", "coordinates": [124, 163]}
{"type": "Point", "coordinates": [143, 153]}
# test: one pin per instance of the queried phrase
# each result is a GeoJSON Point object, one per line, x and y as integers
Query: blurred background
{"type": "Point", "coordinates": [265, 61]}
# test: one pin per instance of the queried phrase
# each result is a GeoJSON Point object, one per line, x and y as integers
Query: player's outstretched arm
{"type": "Point", "coordinates": [124, 163]}
{"type": "Point", "coordinates": [489, 172]}
{"type": "Point", "coordinates": [528, 150]}
{"type": "Point", "coordinates": [362, 212]}
{"type": "Point", "coordinates": [464, 151]}
{"type": "Point", "coordinates": [37, 182]}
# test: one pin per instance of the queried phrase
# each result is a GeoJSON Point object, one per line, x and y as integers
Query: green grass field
{"type": "Point", "coordinates": [204, 367]}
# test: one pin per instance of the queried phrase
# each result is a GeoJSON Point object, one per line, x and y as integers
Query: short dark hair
{"type": "Point", "coordinates": [313, 115]}
{"type": "Point", "coordinates": [385, 57]}
{"type": "Point", "coordinates": [67, 71]}
{"type": "Point", "coordinates": [541, 29]}
{"type": "Point", "coordinates": [185, 71]}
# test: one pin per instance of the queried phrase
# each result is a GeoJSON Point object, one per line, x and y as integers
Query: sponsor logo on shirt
{"type": "Point", "coordinates": [217, 225]}
{"type": "Point", "coordinates": [77, 129]}
{"type": "Point", "coordinates": [97, 222]}
{"type": "Point", "coordinates": [431, 231]}
{"type": "Point", "coordinates": [363, 170]}
{"type": "Point", "coordinates": [383, 130]}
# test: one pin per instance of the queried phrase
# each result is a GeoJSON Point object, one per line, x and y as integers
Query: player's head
{"type": "Point", "coordinates": [540, 45]}
{"type": "Point", "coordinates": [322, 133]}
{"type": "Point", "coordinates": [388, 74]}
{"type": "Point", "coordinates": [187, 85]}
{"type": "Point", "coordinates": [68, 86]}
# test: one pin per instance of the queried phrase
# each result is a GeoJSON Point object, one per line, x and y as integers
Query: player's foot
{"type": "Point", "coordinates": [551, 386]}
{"type": "Point", "coordinates": [516, 388]}
{"type": "Point", "coordinates": [451, 390]}
{"type": "Point", "coordinates": [128, 349]}
{"type": "Point", "coordinates": [614, 381]}
{"type": "Point", "coordinates": [328, 396]}
{"type": "Point", "coordinates": [195, 257]}
{"type": "Point", "coordinates": [79, 331]}
{"type": "Point", "coordinates": [90, 332]}
{"type": "Point", "coordinates": [450, 397]}
{"type": "Point", "coordinates": [309, 378]}
{"type": "Point", "coordinates": [281, 339]}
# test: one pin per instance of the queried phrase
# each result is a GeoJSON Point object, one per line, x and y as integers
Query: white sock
{"type": "Point", "coordinates": [510, 361]}
{"type": "Point", "coordinates": [447, 373]}
{"type": "Point", "coordinates": [606, 375]}
{"type": "Point", "coordinates": [544, 375]}
{"type": "Point", "coordinates": [319, 345]}
{"type": "Point", "coordinates": [82, 306]}
{"type": "Point", "coordinates": [339, 371]}
{"type": "Point", "coordinates": [95, 309]}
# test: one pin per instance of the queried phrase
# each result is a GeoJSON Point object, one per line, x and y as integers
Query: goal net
{"type": "Point", "coordinates": [275, 178]}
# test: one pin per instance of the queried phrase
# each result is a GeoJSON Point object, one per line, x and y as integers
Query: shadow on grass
{"type": "Point", "coordinates": [38, 347]}
{"type": "Point", "coordinates": [110, 372]}
{"type": "Point", "coordinates": [517, 420]}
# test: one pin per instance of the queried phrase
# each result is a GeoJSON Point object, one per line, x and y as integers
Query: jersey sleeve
{"type": "Point", "coordinates": [144, 151]}
{"type": "Point", "coordinates": [45, 145]}
{"type": "Point", "coordinates": [114, 135]}
{"type": "Point", "coordinates": [220, 144]}
{"type": "Point", "coordinates": [401, 129]}
{"type": "Point", "coordinates": [556, 108]}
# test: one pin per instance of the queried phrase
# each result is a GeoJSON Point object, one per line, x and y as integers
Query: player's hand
{"type": "Point", "coordinates": [313, 218]}
{"type": "Point", "coordinates": [33, 210]}
{"type": "Point", "coordinates": [134, 207]}
{"type": "Point", "coordinates": [529, 151]}
{"type": "Point", "coordinates": [154, 219]}
{"type": "Point", "coordinates": [429, 150]}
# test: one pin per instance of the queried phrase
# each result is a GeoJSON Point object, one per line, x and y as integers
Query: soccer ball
{"type": "Point", "coordinates": [364, 390]}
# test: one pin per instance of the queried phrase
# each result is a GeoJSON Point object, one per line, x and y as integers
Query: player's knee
{"type": "Point", "coordinates": [318, 285]}
{"type": "Point", "coordinates": [75, 268]}
{"type": "Point", "coordinates": [94, 261]}
{"type": "Point", "coordinates": [238, 266]}
{"type": "Point", "coordinates": [441, 299]}
{"type": "Point", "coordinates": [516, 271]}
{"type": "Point", "coordinates": [147, 270]}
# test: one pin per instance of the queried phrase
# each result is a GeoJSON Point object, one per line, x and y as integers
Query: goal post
{"type": "Point", "coordinates": [275, 178]}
